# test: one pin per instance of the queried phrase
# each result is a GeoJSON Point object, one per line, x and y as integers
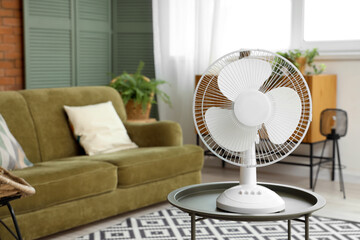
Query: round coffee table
{"type": "Point", "coordinates": [200, 202]}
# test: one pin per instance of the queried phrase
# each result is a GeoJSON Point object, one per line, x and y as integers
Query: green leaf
{"type": "Point", "coordinates": [293, 55]}
{"type": "Point", "coordinates": [135, 87]}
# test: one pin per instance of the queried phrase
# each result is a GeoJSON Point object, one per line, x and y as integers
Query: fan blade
{"type": "Point", "coordinates": [243, 74]}
{"type": "Point", "coordinates": [285, 114]}
{"type": "Point", "coordinates": [227, 131]}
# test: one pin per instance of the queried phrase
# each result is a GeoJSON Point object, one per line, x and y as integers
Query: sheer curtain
{"type": "Point", "coordinates": [191, 34]}
{"type": "Point", "coordinates": [183, 32]}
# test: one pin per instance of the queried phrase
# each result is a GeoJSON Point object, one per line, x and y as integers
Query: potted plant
{"type": "Point", "coordinates": [137, 92]}
{"type": "Point", "coordinates": [302, 58]}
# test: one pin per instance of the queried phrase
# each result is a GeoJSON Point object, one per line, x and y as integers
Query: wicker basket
{"type": "Point", "coordinates": [11, 185]}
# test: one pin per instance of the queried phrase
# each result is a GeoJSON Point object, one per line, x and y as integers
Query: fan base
{"type": "Point", "coordinates": [250, 199]}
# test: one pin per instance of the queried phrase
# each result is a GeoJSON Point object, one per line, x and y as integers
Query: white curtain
{"type": "Point", "coordinates": [190, 34]}
{"type": "Point", "coordinates": [183, 32]}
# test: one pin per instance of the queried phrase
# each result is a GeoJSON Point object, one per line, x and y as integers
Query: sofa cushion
{"type": "Point", "coordinates": [12, 156]}
{"type": "Point", "coordinates": [144, 165]}
{"type": "Point", "coordinates": [98, 128]}
{"type": "Point", "coordinates": [46, 107]}
{"type": "Point", "coordinates": [15, 111]}
{"type": "Point", "coordinates": [61, 181]}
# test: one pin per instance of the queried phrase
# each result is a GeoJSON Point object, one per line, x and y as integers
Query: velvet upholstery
{"type": "Point", "coordinates": [143, 165]}
{"type": "Point", "coordinates": [46, 107]}
{"type": "Point", "coordinates": [163, 133]}
{"type": "Point", "coordinates": [74, 189]}
{"type": "Point", "coordinates": [75, 213]}
{"type": "Point", "coordinates": [62, 181]}
{"type": "Point", "coordinates": [14, 109]}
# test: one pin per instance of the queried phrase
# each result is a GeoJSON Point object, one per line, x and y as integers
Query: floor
{"type": "Point", "coordinates": [336, 207]}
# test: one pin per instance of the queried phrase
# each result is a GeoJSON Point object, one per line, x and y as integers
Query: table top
{"type": "Point", "coordinates": [200, 199]}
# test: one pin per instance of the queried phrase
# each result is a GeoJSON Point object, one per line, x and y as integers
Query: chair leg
{"type": "Point", "coordinates": [341, 180]}
{"type": "Point", "coordinates": [318, 170]}
{"type": "Point", "coordinates": [11, 210]}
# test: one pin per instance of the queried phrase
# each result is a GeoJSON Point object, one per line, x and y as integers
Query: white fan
{"type": "Point", "coordinates": [251, 108]}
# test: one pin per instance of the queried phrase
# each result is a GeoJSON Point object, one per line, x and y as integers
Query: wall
{"type": "Point", "coordinates": [11, 45]}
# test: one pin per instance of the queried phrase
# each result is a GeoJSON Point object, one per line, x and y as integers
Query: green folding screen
{"type": "Point", "coordinates": [133, 36]}
{"type": "Point", "coordinates": [93, 42]}
{"type": "Point", "coordinates": [85, 42]}
{"type": "Point", "coordinates": [49, 43]}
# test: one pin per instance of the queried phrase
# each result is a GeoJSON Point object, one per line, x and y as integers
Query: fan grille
{"type": "Point", "coordinates": [208, 94]}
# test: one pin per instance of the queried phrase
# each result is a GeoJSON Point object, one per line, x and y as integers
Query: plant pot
{"type": "Point", "coordinates": [302, 63]}
{"type": "Point", "coordinates": [135, 112]}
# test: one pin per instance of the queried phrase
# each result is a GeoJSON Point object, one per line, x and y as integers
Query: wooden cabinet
{"type": "Point", "coordinates": [323, 94]}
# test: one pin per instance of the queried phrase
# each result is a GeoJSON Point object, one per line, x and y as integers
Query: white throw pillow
{"type": "Point", "coordinates": [99, 128]}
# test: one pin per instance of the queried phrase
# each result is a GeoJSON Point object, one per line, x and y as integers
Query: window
{"type": "Point", "coordinates": [332, 20]}
{"type": "Point", "coordinates": [229, 25]}
{"type": "Point", "coordinates": [256, 24]}
{"type": "Point", "coordinates": [330, 25]}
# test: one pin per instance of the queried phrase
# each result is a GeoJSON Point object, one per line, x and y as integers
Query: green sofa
{"type": "Point", "coordinates": [73, 189]}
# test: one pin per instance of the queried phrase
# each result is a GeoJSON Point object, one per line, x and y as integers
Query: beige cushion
{"type": "Point", "coordinates": [98, 128]}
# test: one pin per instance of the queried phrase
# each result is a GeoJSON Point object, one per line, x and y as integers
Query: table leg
{"type": "Point", "coordinates": [306, 227]}
{"type": "Point", "coordinates": [14, 221]}
{"type": "Point", "coordinates": [289, 229]}
{"type": "Point", "coordinates": [193, 226]}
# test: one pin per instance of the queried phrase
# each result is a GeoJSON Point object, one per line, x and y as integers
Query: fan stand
{"type": "Point", "coordinates": [248, 197]}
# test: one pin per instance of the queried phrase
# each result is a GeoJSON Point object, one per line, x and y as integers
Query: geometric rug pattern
{"type": "Point", "coordinates": [174, 224]}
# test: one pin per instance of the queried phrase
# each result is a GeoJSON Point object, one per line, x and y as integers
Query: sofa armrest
{"type": "Point", "coordinates": [161, 133]}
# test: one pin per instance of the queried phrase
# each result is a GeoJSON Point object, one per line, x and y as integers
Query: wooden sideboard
{"type": "Point", "coordinates": [323, 95]}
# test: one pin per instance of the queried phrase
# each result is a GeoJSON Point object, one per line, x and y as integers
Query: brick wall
{"type": "Point", "coordinates": [11, 45]}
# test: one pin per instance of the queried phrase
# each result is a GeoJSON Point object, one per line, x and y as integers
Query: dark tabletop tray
{"type": "Point", "coordinates": [201, 200]}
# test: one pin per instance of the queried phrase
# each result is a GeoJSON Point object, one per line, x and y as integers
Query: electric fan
{"type": "Point", "coordinates": [251, 108]}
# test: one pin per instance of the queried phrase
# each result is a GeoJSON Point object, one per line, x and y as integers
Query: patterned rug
{"type": "Point", "coordinates": [172, 223]}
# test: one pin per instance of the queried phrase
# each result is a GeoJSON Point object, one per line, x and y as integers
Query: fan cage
{"type": "Point", "coordinates": [208, 94]}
